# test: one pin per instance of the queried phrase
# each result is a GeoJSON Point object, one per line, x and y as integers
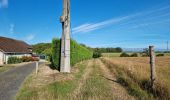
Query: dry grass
{"type": "Point", "coordinates": [138, 71]}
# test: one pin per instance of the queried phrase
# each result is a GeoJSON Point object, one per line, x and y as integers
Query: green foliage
{"type": "Point", "coordinates": [14, 60]}
{"type": "Point", "coordinates": [109, 50]}
{"type": "Point", "coordinates": [48, 53]}
{"type": "Point", "coordinates": [78, 53]}
{"type": "Point", "coordinates": [56, 48]}
{"type": "Point", "coordinates": [160, 55]}
{"type": "Point", "coordinates": [124, 55]}
{"type": "Point", "coordinates": [145, 52]}
{"type": "Point", "coordinates": [40, 47]}
{"type": "Point", "coordinates": [134, 55]}
{"type": "Point", "coordinates": [96, 54]}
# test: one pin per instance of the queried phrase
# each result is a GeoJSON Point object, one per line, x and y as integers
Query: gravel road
{"type": "Point", "coordinates": [11, 80]}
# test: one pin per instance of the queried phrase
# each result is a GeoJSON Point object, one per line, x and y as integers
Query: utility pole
{"type": "Point", "coordinates": [65, 41]}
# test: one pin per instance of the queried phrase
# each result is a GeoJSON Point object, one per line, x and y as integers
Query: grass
{"type": "Point", "coordinates": [56, 90]}
{"type": "Point", "coordinates": [111, 54]}
{"type": "Point", "coordinates": [94, 86]}
{"type": "Point", "coordinates": [27, 91]}
{"type": "Point", "coordinates": [134, 73]}
{"type": "Point", "coordinates": [6, 67]}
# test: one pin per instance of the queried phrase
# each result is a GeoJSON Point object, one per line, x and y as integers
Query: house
{"type": "Point", "coordinates": [13, 48]}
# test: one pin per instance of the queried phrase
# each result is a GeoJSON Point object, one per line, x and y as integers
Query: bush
{"type": "Point", "coordinates": [160, 55]}
{"type": "Point", "coordinates": [26, 59]}
{"type": "Point", "coordinates": [124, 55]}
{"type": "Point", "coordinates": [96, 54]}
{"type": "Point", "coordinates": [14, 60]}
{"type": "Point", "coordinates": [134, 55]}
{"type": "Point", "coordinates": [48, 53]}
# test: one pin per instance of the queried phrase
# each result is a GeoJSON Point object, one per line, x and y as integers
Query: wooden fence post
{"type": "Point", "coordinates": [152, 66]}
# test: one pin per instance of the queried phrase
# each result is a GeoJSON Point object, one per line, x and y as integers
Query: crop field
{"type": "Point", "coordinates": [118, 54]}
{"type": "Point", "coordinates": [134, 74]}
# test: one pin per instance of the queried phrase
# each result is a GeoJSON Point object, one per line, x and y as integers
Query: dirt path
{"type": "Point", "coordinates": [118, 91]}
{"type": "Point", "coordinates": [11, 80]}
{"type": "Point", "coordinates": [85, 76]}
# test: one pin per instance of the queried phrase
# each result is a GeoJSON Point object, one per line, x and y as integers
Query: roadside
{"type": "Point", "coordinates": [88, 80]}
{"type": "Point", "coordinates": [11, 80]}
{"type": "Point", "coordinates": [7, 67]}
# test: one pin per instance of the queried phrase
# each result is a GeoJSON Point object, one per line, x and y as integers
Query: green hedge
{"type": "Point", "coordinates": [56, 49]}
{"type": "Point", "coordinates": [78, 53]}
{"type": "Point", "coordinates": [14, 60]}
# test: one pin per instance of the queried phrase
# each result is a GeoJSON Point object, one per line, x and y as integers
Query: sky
{"type": "Point", "coordinates": [96, 23]}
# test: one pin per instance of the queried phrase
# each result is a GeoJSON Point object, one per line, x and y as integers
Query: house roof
{"type": "Point", "coordinates": [14, 46]}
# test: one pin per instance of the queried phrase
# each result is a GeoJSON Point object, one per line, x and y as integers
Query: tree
{"type": "Point", "coordinates": [40, 47]}
{"type": "Point", "coordinates": [145, 52]}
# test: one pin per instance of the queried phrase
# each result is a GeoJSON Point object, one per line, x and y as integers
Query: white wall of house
{"type": "Point", "coordinates": [19, 55]}
{"type": "Point", "coordinates": [1, 58]}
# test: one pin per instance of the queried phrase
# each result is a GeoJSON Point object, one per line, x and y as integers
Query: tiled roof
{"type": "Point", "coordinates": [14, 46]}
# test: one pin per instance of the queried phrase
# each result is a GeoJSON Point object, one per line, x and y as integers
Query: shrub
{"type": "Point", "coordinates": [160, 55]}
{"type": "Point", "coordinates": [96, 54]}
{"type": "Point", "coordinates": [14, 60]}
{"type": "Point", "coordinates": [134, 55]}
{"type": "Point", "coordinates": [124, 55]}
{"type": "Point", "coordinates": [26, 59]}
{"type": "Point", "coordinates": [48, 53]}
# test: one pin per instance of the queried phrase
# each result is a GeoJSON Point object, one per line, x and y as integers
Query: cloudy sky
{"type": "Point", "coordinates": [97, 23]}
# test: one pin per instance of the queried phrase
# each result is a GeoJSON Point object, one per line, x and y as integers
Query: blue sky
{"type": "Point", "coordinates": [96, 23]}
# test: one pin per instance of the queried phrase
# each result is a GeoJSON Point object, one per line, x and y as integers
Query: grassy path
{"type": "Point", "coordinates": [119, 92]}
{"type": "Point", "coordinates": [84, 78]}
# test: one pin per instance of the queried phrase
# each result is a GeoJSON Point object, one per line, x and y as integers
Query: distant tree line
{"type": "Point", "coordinates": [109, 50]}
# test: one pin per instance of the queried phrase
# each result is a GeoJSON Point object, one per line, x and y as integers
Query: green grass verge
{"type": "Point", "coordinates": [57, 90]}
{"type": "Point", "coordinates": [6, 67]}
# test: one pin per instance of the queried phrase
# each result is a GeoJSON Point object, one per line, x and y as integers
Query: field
{"type": "Point", "coordinates": [118, 54]}
{"type": "Point", "coordinates": [134, 73]}
{"type": "Point", "coordinates": [105, 78]}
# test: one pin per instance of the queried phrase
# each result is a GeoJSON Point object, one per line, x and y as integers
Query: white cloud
{"type": "Point", "coordinates": [90, 27]}
{"type": "Point", "coordinates": [3, 3]}
{"type": "Point", "coordinates": [30, 37]}
{"type": "Point", "coordinates": [87, 27]}
{"type": "Point", "coordinates": [12, 27]}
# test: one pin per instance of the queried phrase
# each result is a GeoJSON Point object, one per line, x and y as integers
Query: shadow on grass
{"type": "Point", "coordinates": [52, 67]}
{"type": "Point", "coordinates": [109, 79]}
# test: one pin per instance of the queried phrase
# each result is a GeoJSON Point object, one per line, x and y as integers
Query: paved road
{"type": "Point", "coordinates": [11, 80]}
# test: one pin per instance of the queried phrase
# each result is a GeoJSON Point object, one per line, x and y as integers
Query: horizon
{"type": "Point", "coordinates": [95, 23]}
